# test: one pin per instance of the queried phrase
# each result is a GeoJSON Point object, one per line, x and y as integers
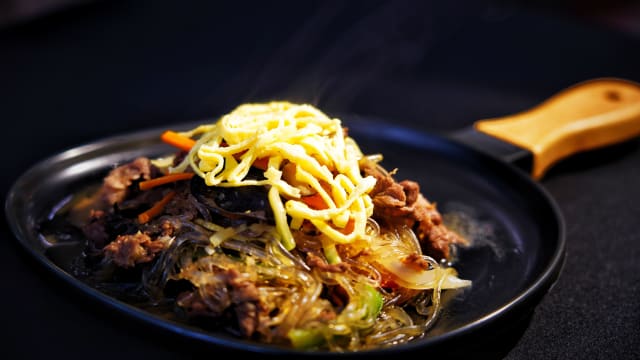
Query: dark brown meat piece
{"type": "Point", "coordinates": [416, 261]}
{"type": "Point", "coordinates": [230, 290]}
{"type": "Point", "coordinates": [315, 261]}
{"type": "Point", "coordinates": [117, 182]}
{"type": "Point", "coordinates": [402, 203]}
{"type": "Point", "coordinates": [245, 295]}
{"type": "Point", "coordinates": [128, 250]}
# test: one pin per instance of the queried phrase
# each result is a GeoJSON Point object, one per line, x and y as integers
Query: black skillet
{"type": "Point", "coordinates": [516, 227]}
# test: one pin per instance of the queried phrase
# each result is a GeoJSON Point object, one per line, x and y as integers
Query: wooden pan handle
{"type": "Point", "coordinates": [586, 116]}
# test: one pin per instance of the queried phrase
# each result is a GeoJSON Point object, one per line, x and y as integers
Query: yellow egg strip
{"type": "Point", "coordinates": [298, 134]}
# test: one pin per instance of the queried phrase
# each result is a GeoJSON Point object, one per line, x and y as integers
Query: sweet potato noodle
{"type": "Point", "coordinates": [270, 223]}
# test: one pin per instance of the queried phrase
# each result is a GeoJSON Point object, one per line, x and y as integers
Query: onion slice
{"type": "Point", "coordinates": [413, 278]}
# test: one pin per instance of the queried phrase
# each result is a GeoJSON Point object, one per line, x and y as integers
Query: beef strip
{"type": "Point", "coordinates": [316, 261]}
{"type": "Point", "coordinates": [229, 290]}
{"type": "Point", "coordinates": [128, 250]}
{"type": "Point", "coordinates": [245, 295]}
{"type": "Point", "coordinates": [117, 182]}
{"type": "Point", "coordinates": [402, 203]}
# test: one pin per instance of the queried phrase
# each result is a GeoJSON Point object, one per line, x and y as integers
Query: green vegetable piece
{"type": "Point", "coordinates": [306, 338]}
{"type": "Point", "coordinates": [331, 252]}
{"type": "Point", "coordinates": [373, 301]}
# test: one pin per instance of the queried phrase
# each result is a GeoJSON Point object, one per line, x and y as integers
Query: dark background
{"type": "Point", "coordinates": [76, 71]}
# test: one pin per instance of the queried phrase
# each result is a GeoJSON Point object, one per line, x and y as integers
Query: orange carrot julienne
{"type": "Point", "coordinates": [156, 209]}
{"type": "Point", "coordinates": [315, 201]}
{"type": "Point", "coordinates": [261, 163]}
{"type": "Point", "coordinates": [348, 229]}
{"type": "Point", "coordinates": [180, 141]}
{"type": "Point", "coordinates": [166, 179]}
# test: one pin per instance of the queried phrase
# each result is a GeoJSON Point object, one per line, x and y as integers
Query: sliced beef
{"type": "Point", "coordinates": [402, 203]}
{"type": "Point", "coordinates": [416, 261]}
{"type": "Point", "coordinates": [117, 182]}
{"type": "Point", "coordinates": [126, 251]}
{"type": "Point", "coordinates": [315, 261]}
{"type": "Point", "coordinates": [229, 290]}
{"type": "Point", "coordinates": [244, 295]}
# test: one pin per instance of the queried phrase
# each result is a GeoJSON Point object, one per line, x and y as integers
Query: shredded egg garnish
{"type": "Point", "coordinates": [307, 156]}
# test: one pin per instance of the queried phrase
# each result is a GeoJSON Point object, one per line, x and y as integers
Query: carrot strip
{"type": "Point", "coordinates": [166, 179]}
{"type": "Point", "coordinates": [315, 201]}
{"type": "Point", "coordinates": [261, 163]}
{"type": "Point", "coordinates": [177, 140]}
{"type": "Point", "coordinates": [156, 209]}
{"type": "Point", "coordinates": [348, 229]}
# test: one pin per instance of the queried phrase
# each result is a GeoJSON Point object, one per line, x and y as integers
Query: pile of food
{"type": "Point", "coordinates": [270, 223]}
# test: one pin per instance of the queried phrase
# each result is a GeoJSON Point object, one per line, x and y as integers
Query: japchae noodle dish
{"type": "Point", "coordinates": [272, 225]}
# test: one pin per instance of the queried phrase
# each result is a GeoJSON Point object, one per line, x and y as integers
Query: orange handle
{"type": "Point", "coordinates": [586, 116]}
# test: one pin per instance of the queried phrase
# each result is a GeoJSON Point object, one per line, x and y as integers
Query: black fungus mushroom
{"type": "Point", "coordinates": [231, 206]}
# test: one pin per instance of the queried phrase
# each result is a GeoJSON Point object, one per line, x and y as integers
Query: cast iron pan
{"type": "Point", "coordinates": [516, 227]}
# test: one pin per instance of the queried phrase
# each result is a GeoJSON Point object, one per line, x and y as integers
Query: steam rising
{"type": "Point", "coordinates": [344, 50]}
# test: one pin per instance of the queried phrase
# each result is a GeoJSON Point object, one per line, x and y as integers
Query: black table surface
{"type": "Point", "coordinates": [106, 67]}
